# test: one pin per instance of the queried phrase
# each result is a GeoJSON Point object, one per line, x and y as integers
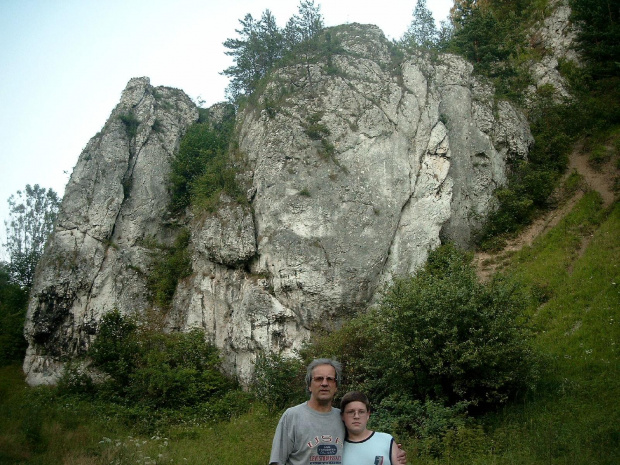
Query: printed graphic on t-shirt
{"type": "Point", "coordinates": [326, 454]}
{"type": "Point", "coordinates": [379, 460]}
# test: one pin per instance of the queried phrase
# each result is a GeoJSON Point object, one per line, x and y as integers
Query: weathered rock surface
{"type": "Point", "coordinates": [354, 172]}
{"type": "Point", "coordinates": [556, 36]}
{"type": "Point", "coordinates": [116, 199]}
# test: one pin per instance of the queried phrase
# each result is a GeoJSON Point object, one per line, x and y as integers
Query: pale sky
{"type": "Point", "coordinates": [64, 64]}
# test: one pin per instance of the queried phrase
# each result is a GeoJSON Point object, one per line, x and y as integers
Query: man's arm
{"type": "Point", "coordinates": [399, 456]}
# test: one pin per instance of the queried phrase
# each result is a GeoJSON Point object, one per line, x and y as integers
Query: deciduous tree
{"type": "Point", "coordinates": [422, 31]}
{"type": "Point", "coordinates": [32, 216]}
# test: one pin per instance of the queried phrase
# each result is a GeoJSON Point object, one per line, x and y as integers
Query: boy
{"type": "Point", "coordinates": [363, 446]}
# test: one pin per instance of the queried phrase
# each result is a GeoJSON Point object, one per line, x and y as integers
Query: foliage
{"type": "Point", "coordinates": [116, 348]}
{"type": "Point", "coordinates": [154, 369]}
{"type": "Point", "coordinates": [176, 369]}
{"type": "Point", "coordinates": [456, 338]}
{"type": "Point", "coordinates": [32, 216]}
{"type": "Point", "coordinates": [279, 381]}
{"type": "Point", "coordinates": [170, 265]}
{"type": "Point", "coordinates": [304, 26]}
{"type": "Point", "coordinates": [261, 45]}
{"type": "Point", "coordinates": [444, 337]}
{"type": "Point", "coordinates": [494, 42]}
{"type": "Point", "coordinates": [425, 421]}
{"type": "Point", "coordinates": [598, 23]}
{"type": "Point", "coordinates": [422, 31]}
{"type": "Point", "coordinates": [571, 417]}
{"type": "Point", "coordinates": [131, 123]}
{"type": "Point", "coordinates": [202, 169]}
{"type": "Point", "coordinates": [75, 380]}
{"type": "Point", "coordinates": [314, 129]}
{"type": "Point", "coordinates": [302, 32]}
{"type": "Point", "coordinates": [13, 301]}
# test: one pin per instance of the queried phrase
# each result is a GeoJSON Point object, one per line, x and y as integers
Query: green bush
{"type": "Point", "coordinates": [170, 264]}
{"type": "Point", "coordinates": [232, 404]}
{"type": "Point", "coordinates": [279, 381]}
{"type": "Point", "coordinates": [175, 370]}
{"type": "Point", "coordinates": [455, 339]}
{"type": "Point", "coordinates": [131, 123]}
{"type": "Point", "coordinates": [153, 369]}
{"type": "Point", "coordinates": [13, 303]}
{"type": "Point", "coordinates": [115, 351]}
{"type": "Point", "coordinates": [439, 336]}
{"type": "Point", "coordinates": [75, 381]}
{"type": "Point", "coordinates": [404, 416]}
{"type": "Point", "coordinates": [202, 168]}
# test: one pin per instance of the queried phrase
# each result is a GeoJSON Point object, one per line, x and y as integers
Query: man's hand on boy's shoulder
{"type": "Point", "coordinates": [401, 455]}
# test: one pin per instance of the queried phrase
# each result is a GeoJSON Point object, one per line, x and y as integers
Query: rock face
{"type": "Point", "coordinates": [355, 166]}
{"type": "Point", "coordinates": [556, 36]}
{"type": "Point", "coordinates": [116, 199]}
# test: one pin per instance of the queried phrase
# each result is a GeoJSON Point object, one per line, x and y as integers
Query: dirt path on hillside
{"type": "Point", "coordinates": [601, 180]}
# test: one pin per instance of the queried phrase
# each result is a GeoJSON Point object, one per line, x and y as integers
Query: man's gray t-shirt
{"type": "Point", "coordinates": [307, 437]}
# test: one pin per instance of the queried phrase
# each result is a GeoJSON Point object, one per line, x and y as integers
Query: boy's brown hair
{"type": "Point", "coordinates": [354, 396]}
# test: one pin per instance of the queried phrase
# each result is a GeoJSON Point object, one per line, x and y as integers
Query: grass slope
{"type": "Point", "coordinates": [575, 415]}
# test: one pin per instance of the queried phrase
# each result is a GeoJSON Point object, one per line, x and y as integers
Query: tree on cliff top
{"type": "Point", "coordinates": [261, 44]}
{"type": "Point", "coordinates": [258, 47]}
{"type": "Point", "coordinates": [422, 31]}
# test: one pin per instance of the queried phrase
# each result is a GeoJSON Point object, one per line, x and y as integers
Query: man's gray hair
{"type": "Point", "coordinates": [323, 361]}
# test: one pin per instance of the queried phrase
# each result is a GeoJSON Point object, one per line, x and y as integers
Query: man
{"type": "Point", "coordinates": [363, 446]}
{"type": "Point", "coordinates": [312, 433]}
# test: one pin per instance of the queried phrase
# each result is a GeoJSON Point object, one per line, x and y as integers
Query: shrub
{"type": "Point", "coordinates": [201, 168]}
{"type": "Point", "coordinates": [279, 381]}
{"type": "Point", "coordinates": [314, 129]}
{"type": "Point", "coordinates": [131, 123]}
{"type": "Point", "coordinates": [75, 381]}
{"type": "Point", "coordinates": [115, 350]}
{"type": "Point", "coordinates": [156, 370]}
{"type": "Point", "coordinates": [232, 404]}
{"type": "Point", "coordinates": [13, 302]}
{"type": "Point", "coordinates": [169, 266]}
{"type": "Point", "coordinates": [406, 416]}
{"type": "Point", "coordinates": [454, 339]}
{"type": "Point", "coordinates": [177, 369]}
{"type": "Point", "coordinates": [439, 336]}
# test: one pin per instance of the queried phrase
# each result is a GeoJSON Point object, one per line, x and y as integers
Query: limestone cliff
{"type": "Point", "coordinates": [355, 167]}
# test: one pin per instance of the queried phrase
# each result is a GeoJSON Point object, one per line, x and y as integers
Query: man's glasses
{"type": "Point", "coordinates": [319, 379]}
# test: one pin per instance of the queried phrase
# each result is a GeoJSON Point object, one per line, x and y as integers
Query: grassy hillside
{"type": "Point", "coordinates": [574, 416]}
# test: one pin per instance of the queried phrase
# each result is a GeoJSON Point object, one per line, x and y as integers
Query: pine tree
{"type": "Point", "coordinates": [302, 31]}
{"type": "Point", "coordinates": [599, 34]}
{"type": "Point", "coordinates": [259, 46]}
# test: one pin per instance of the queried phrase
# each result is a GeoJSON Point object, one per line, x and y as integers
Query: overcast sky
{"type": "Point", "coordinates": [64, 64]}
